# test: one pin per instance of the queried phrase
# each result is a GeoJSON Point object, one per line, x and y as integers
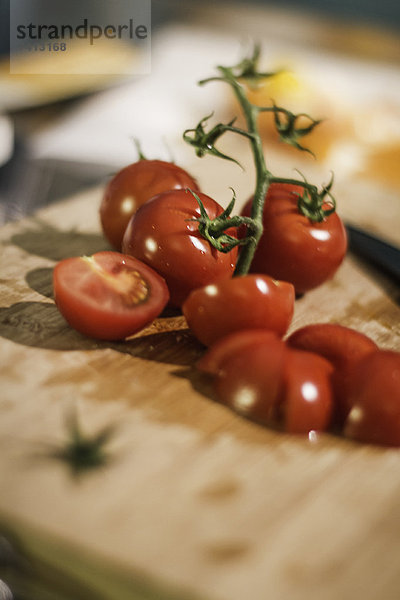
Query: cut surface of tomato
{"type": "Point", "coordinates": [108, 295]}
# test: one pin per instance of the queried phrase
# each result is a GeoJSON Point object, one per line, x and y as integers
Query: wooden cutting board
{"type": "Point", "coordinates": [195, 501]}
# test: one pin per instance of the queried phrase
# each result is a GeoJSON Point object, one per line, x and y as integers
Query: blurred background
{"type": "Point", "coordinates": [60, 134]}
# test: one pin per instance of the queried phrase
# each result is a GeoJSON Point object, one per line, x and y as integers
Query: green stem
{"type": "Point", "coordinates": [262, 174]}
{"type": "Point", "coordinates": [303, 184]}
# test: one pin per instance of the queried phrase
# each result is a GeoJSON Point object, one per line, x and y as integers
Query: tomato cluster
{"type": "Point", "coordinates": [131, 187]}
{"type": "Point", "coordinates": [321, 375]}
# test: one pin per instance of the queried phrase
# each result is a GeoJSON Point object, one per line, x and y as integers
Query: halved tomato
{"type": "Point", "coordinates": [108, 295]}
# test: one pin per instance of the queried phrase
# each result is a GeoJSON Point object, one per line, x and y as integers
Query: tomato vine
{"type": "Point", "coordinates": [315, 204]}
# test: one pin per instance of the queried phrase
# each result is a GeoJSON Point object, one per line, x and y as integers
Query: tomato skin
{"type": "Point", "coordinates": [247, 302]}
{"type": "Point", "coordinates": [249, 382]}
{"type": "Point", "coordinates": [375, 400]}
{"type": "Point", "coordinates": [131, 187]}
{"type": "Point", "coordinates": [343, 347]}
{"type": "Point", "coordinates": [230, 345]}
{"type": "Point", "coordinates": [306, 395]}
{"type": "Point", "coordinates": [292, 248]}
{"type": "Point", "coordinates": [163, 234]}
{"type": "Point", "coordinates": [258, 376]}
{"type": "Point", "coordinates": [108, 296]}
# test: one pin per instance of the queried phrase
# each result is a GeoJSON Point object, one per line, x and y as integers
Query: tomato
{"type": "Point", "coordinates": [258, 376]}
{"type": "Point", "coordinates": [237, 342]}
{"type": "Point", "coordinates": [164, 235]}
{"type": "Point", "coordinates": [343, 347]}
{"type": "Point", "coordinates": [292, 247]}
{"type": "Point", "coordinates": [133, 186]}
{"type": "Point", "coordinates": [375, 400]}
{"type": "Point", "coordinates": [306, 395]}
{"type": "Point", "coordinates": [247, 302]}
{"type": "Point", "coordinates": [108, 295]}
{"type": "Point", "coordinates": [249, 380]}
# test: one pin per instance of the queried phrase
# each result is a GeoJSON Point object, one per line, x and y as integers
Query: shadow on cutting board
{"type": "Point", "coordinates": [55, 244]}
{"type": "Point", "coordinates": [40, 325]}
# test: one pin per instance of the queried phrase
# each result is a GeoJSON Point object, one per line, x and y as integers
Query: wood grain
{"type": "Point", "coordinates": [195, 498]}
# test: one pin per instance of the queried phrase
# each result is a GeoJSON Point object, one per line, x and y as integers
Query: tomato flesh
{"type": "Point", "coordinates": [133, 186]}
{"type": "Point", "coordinates": [248, 302]}
{"type": "Point", "coordinates": [292, 247]}
{"type": "Point", "coordinates": [108, 295]}
{"type": "Point", "coordinates": [164, 234]}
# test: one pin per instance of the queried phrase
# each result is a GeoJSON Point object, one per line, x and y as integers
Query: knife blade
{"type": "Point", "coordinates": [375, 251]}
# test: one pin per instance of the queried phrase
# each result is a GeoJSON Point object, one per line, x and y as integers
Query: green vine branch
{"type": "Point", "coordinates": [313, 203]}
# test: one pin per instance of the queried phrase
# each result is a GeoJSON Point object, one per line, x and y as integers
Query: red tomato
{"type": "Point", "coordinates": [375, 400]}
{"type": "Point", "coordinates": [133, 186]}
{"type": "Point", "coordinates": [292, 247]}
{"type": "Point", "coordinates": [248, 302]}
{"type": "Point", "coordinates": [236, 342]}
{"type": "Point", "coordinates": [108, 295]}
{"type": "Point", "coordinates": [306, 395]}
{"type": "Point", "coordinates": [260, 378]}
{"type": "Point", "coordinates": [343, 347]}
{"type": "Point", "coordinates": [163, 234]}
{"type": "Point", "coordinates": [249, 379]}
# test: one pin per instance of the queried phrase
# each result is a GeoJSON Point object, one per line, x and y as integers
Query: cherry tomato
{"type": "Point", "coordinates": [248, 302]}
{"type": "Point", "coordinates": [108, 295]}
{"type": "Point", "coordinates": [258, 376]}
{"type": "Point", "coordinates": [231, 344]}
{"type": "Point", "coordinates": [343, 347]}
{"type": "Point", "coordinates": [292, 247]}
{"type": "Point", "coordinates": [164, 235]}
{"type": "Point", "coordinates": [249, 379]}
{"type": "Point", "coordinates": [375, 400]}
{"type": "Point", "coordinates": [133, 186]}
{"type": "Point", "coordinates": [306, 395]}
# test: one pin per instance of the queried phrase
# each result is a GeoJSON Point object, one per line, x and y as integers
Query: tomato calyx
{"type": "Point", "coordinates": [317, 205]}
{"type": "Point", "coordinates": [247, 68]}
{"type": "Point", "coordinates": [312, 203]}
{"type": "Point", "coordinates": [286, 126]}
{"type": "Point", "coordinates": [204, 141]}
{"type": "Point", "coordinates": [138, 147]}
{"type": "Point", "coordinates": [214, 230]}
